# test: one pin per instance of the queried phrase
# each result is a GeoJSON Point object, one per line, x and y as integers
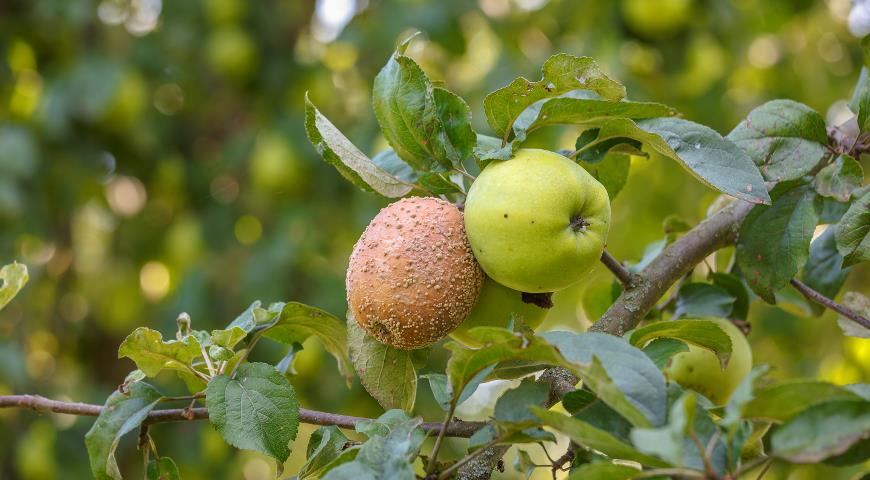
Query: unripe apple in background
{"type": "Point", "coordinates": [537, 222]}
{"type": "Point", "coordinates": [412, 277]}
{"type": "Point", "coordinates": [494, 309]}
{"type": "Point", "coordinates": [699, 368]}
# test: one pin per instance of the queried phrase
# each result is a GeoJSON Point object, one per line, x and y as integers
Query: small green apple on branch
{"type": "Point", "coordinates": [484, 231]}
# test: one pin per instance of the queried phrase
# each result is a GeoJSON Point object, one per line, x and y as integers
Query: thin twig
{"type": "Point", "coordinates": [618, 269]}
{"type": "Point", "coordinates": [708, 468]}
{"type": "Point", "coordinates": [433, 457]}
{"type": "Point", "coordinates": [824, 301]}
{"type": "Point", "coordinates": [765, 468]}
{"type": "Point", "coordinates": [313, 417]}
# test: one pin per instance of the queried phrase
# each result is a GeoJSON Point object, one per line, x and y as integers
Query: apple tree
{"type": "Point", "coordinates": [482, 232]}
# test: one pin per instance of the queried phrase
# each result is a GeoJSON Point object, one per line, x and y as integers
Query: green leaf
{"type": "Point", "coordinates": [860, 103]}
{"type": "Point", "coordinates": [786, 139]}
{"type": "Point", "coordinates": [523, 463]}
{"type": "Point", "coordinates": [576, 400]}
{"type": "Point", "coordinates": [120, 415]}
{"type": "Point", "coordinates": [419, 121]}
{"type": "Point", "coordinates": [162, 468]}
{"type": "Point", "coordinates": [661, 350]}
{"type": "Point", "coordinates": [735, 286]}
{"type": "Point", "coordinates": [394, 441]}
{"type": "Point", "coordinates": [853, 232]}
{"type": "Point", "coordinates": [822, 431]}
{"type": "Point", "coordinates": [779, 403]}
{"type": "Point", "coordinates": [387, 373]}
{"type": "Point", "coordinates": [14, 276]}
{"type": "Point", "coordinates": [574, 109]}
{"type": "Point", "coordinates": [227, 338]}
{"type": "Point", "coordinates": [612, 172]}
{"type": "Point", "coordinates": [350, 162]}
{"type": "Point", "coordinates": [632, 373]}
{"type": "Point", "coordinates": [710, 158]}
{"type": "Point", "coordinates": [860, 304]}
{"type": "Point", "coordinates": [839, 179]}
{"type": "Point", "coordinates": [604, 471]}
{"type": "Point", "coordinates": [674, 441]}
{"type": "Point", "coordinates": [440, 388]}
{"type": "Point", "coordinates": [512, 408]}
{"type": "Point", "coordinates": [702, 333]}
{"type": "Point", "coordinates": [561, 73]}
{"type": "Point", "coordinates": [774, 240]}
{"type": "Point", "coordinates": [298, 321]}
{"type": "Point", "coordinates": [325, 446]}
{"type": "Point", "coordinates": [703, 300]}
{"type": "Point", "coordinates": [256, 411]}
{"type": "Point", "coordinates": [590, 437]}
{"type": "Point", "coordinates": [152, 354]}
{"type": "Point", "coordinates": [742, 395]}
{"type": "Point", "coordinates": [823, 271]}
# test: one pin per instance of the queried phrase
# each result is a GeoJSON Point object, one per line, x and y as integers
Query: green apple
{"type": "Point", "coordinates": [537, 222]}
{"type": "Point", "coordinates": [494, 308]}
{"type": "Point", "coordinates": [699, 368]}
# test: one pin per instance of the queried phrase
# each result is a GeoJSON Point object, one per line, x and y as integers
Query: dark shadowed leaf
{"type": "Point", "coordinates": [350, 162]}
{"type": "Point", "coordinates": [735, 286]}
{"type": "Point", "coordinates": [162, 468]}
{"type": "Point", "coordinates": [661, 350]}
{"type": "Point", "coordinates": [703, 300]}
{"type": "Point", "coordinates": [387, 373]}
{"type": "Point", "coordinates": [823, 271]}
{"type": "Point", "coordinates": [612, 172]}
{"type": "Point", "coordinates": [257, 410]}
{"type": "Point", "coordinates": [121, 414]}
{"type": "Point", "coordinates": [775, 240]}
{"type": "Point", "coordinates": [325, 447]}
{"type": "Point", "coordinates": [860, 103]}
{"type": "Point", "coordinates": [562, 73]}
{"type": "Point", "coordinates": [822, 431]}
{"type": "Point", "coordinates": [786, 139]}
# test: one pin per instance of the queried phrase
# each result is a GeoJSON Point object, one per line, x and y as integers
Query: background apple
{"type": "Point", "coordinates": [537, 222]}
{"type": "Point", "coordinates": [699, 369]}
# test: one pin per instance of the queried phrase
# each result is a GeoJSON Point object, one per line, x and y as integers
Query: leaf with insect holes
{"type": "Point", "coordinates": [387, 373]}
{"type": "Point", "coordinates": [350, 162]}
{"type": "Point", "coordinates": [14, 277]}
{"type": "Point", "coordinates": [702, 333]}
{"type": "Point", "coordinates": [839, 179]}
{"type": "Point", "coordinates": [428, 127]}
{"type": "Point", "coordinates": [786, 139]}
{"type": "Point", "coordinates": [297, 321]}
{"type": "Point", "coordinates": [579, 107]}
{"type": "Point", "coordinates": [774, 240]}
{"type": "Point", "coordinates": [122, 414]}
{"type": "Point", "coordinates": [257, 410]}
{"type": "Point", "coordinates": [822, 431]}
{"type": "Point", "coordinates": [853, 232]}
{"type": "Point", "coordinates": [562, 73]}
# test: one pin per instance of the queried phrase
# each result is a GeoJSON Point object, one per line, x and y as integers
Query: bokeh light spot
{"type": "Point", "coordinates": [248, 230]}
{"type": "Point", "coordinates": [154, 279]}
{"type": "Point", "coordinates": [126, 195]}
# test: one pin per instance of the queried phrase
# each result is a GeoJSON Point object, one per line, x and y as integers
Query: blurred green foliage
{"type": "Point", "coordinates": [153, 161]}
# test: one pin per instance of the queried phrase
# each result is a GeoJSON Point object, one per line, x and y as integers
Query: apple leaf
{"type": "Point", "coordinates": [604, 471]}
{"type": "Point", "coordinates": [162, 468]}
{"type": "Point", "coordinates": [660, 350]}
{"type": "Point", "coordinates": [511, 410]}
{"type": "Point", "coordinates": [780, 402]}
{"type": "Point", "coordinates": [577, 108]}
{"type": "Point", "coordinates": [428, 127]}
{"type": "Point", "coordinates": [594, 438]}
{"type": "Point", "coordinates": [297, 321]}
{"type": "Point", "coordinates": [612, 171]}
{"type": "Point", "coordinates": [696, 299]}
{"type": "Point", "coordinates": [387, 373]}
{"type": "Point", "coordinates": [14, 277]}
{"type": "Point", "coordinates": [562, 73]}
{"type": "Point", "coordinates": [839, 179]}
{"type": "Point", "coordinates": [623, 368]}
{"type": "Point", "coordinates": [702, 333]}
{"type": "Point", "coordinates": [860, 102]}
{"type": "Point", "coordinates": [734, 286]}
{"type": "Point", "coordinates": [325, 447]}
{"type": "Point", "coordinates": [524, 464]}
{"type": "Point", "coordinates": [774, 240]}
{"type": "Point", "coordinates": [853, 232]}
{"type": "Point", "coordinates": [152, 354]}
{"type": "Point", "coordinates": [710, 158]}
{"type": "Point", "coordinates": [257, 410]}
{"type": "Point", "coordinates": [859, 303]}
{"type": "Point", "coordinates": [786, 139]}
{"type": "Point", "coordinates": [350, 162]}
{"type": "Point", "coordinates": [121, 414]}
{"type": "Point", "coordinates": [823, 271]}
{"type": "Point", "coordinates": [822, 431]}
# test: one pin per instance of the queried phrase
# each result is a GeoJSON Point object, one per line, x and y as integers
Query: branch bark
{"type": "Point", "coordinates": [313, 417]}
{"type": "Point", "coordinates": [826, 302]}
{"type": "Point", "coordinates": [618, 269]}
